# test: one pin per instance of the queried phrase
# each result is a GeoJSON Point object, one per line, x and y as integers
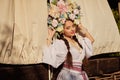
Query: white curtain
{"type": "Point", "coordinates": [98, 18]}
{"type": "Point", "coordinates": [23, 30]}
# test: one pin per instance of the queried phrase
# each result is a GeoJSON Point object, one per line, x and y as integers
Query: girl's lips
{"type": "Point", "coordinates": [72, 32]}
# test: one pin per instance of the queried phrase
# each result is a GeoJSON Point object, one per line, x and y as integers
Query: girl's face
{"type": "Point", "coordinates": [69, 29]}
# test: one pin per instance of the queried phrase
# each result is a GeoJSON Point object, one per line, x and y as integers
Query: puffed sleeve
{"type": "Point", "coordinates": [54, 55]}
{"type": "Point", "coordinates": [86, 44]}
{"type": "Point", "coordinates": [88, 48]}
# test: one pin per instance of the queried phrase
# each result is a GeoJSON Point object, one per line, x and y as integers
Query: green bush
{"type": "Point", "coordinates": [117, 18]}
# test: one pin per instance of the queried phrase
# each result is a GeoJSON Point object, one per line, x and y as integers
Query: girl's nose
{"type": "Point", "coordinates": [72, 29]}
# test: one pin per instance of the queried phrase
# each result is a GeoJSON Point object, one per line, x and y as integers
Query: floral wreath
{"type": "Point", "coordinates": [59, 12]}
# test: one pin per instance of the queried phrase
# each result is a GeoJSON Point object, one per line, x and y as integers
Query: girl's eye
{"type": "Point", "coordinates": [68, 27]}
{"type": "Point", "coordinates": [74, 26]}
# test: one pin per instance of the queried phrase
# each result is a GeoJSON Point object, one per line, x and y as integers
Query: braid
{"type": "Point", "coordinates": [85, 61]}
{"type": "Point", "coordinates": [69, 56]}
{"type": "Point", "coordinates": [75, 38]}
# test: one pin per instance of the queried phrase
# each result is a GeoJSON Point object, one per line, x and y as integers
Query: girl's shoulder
{"type": "Point", "coordinates": [83, 40]}
{"type": "Point", "coordinates": [58, 42]}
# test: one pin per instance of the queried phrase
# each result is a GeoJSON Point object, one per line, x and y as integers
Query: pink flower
{"type": "Point", "coordinates": [54, 23]}
{"type": "Point", "coordinates": [62, 6]}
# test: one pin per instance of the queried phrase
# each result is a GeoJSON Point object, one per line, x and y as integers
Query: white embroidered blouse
{"type": "Point", "coordinates": [55, 54]}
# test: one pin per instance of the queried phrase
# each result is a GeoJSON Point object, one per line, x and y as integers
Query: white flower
{"type": "Point", "coordinates": [76, 11]}
{"type": "Point", "coordinates": [57, 15]}
{"type": "Point", "coordinates": [54, 23]}
{"type": "Point", "coordinates": [59, 29]}
{"type": "Point", "coordinates": [72, 16]}
{"type": "Point", "coordinates": [77, 21]}
{"type": "Point", "coordinates": [53, 11]}
{"type": "Point", "coordinates": [74, 5]}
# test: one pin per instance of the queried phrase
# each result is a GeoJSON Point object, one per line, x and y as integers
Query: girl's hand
{"type": "Point", "coordinates": [85, 32]}
{"type": "Point", "coordinates": [80, 29]}
{"type": "Point", "coordinates": [80, 26]}
{"type": "Point", "coordinates": [51, 32]}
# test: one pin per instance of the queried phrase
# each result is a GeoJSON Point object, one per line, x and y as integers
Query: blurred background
{"type": "Point", "coordinates": [115, 6]}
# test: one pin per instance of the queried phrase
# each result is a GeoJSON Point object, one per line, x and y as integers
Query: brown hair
{"type": "Point", "coordinates": [69, 55]}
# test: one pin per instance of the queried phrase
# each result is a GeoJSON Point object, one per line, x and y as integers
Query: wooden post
{"type": "Point", "coordinates": [49, 73]}
{"type": "Point", "coordinates": [119, 7]}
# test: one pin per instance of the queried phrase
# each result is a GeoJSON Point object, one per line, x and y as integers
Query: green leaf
{"type": "Point", "coordinates": [54, 2]}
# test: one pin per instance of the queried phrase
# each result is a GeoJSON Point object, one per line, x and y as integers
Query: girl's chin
{"type": "Point", "coordinates": [72, 35]}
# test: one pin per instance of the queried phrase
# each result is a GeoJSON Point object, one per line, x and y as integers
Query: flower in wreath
{"type": "Point", "coordinates": [59, 12]}
{"type": "Point", "coordinates": [62, 7]}
{"type": "Point", "coordinates": [53, 11]}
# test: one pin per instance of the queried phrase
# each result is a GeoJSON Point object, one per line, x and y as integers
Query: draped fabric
{"type": "Point", "coordinates": [23, 29]}
{"type": "Point", "coordinates": [98, 18]}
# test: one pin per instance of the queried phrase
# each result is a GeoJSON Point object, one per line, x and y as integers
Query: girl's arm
{"type": "Point", "coordinates": [51, 33]}
{"type": "Point", "coordinates": [84, 32]}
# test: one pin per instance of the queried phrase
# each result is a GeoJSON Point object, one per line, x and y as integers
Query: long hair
{"type": "Point", "coordinates": [69, 55]}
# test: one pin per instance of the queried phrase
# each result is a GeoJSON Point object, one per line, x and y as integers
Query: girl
{"type": "Point", "coordinates": [70, 49]}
